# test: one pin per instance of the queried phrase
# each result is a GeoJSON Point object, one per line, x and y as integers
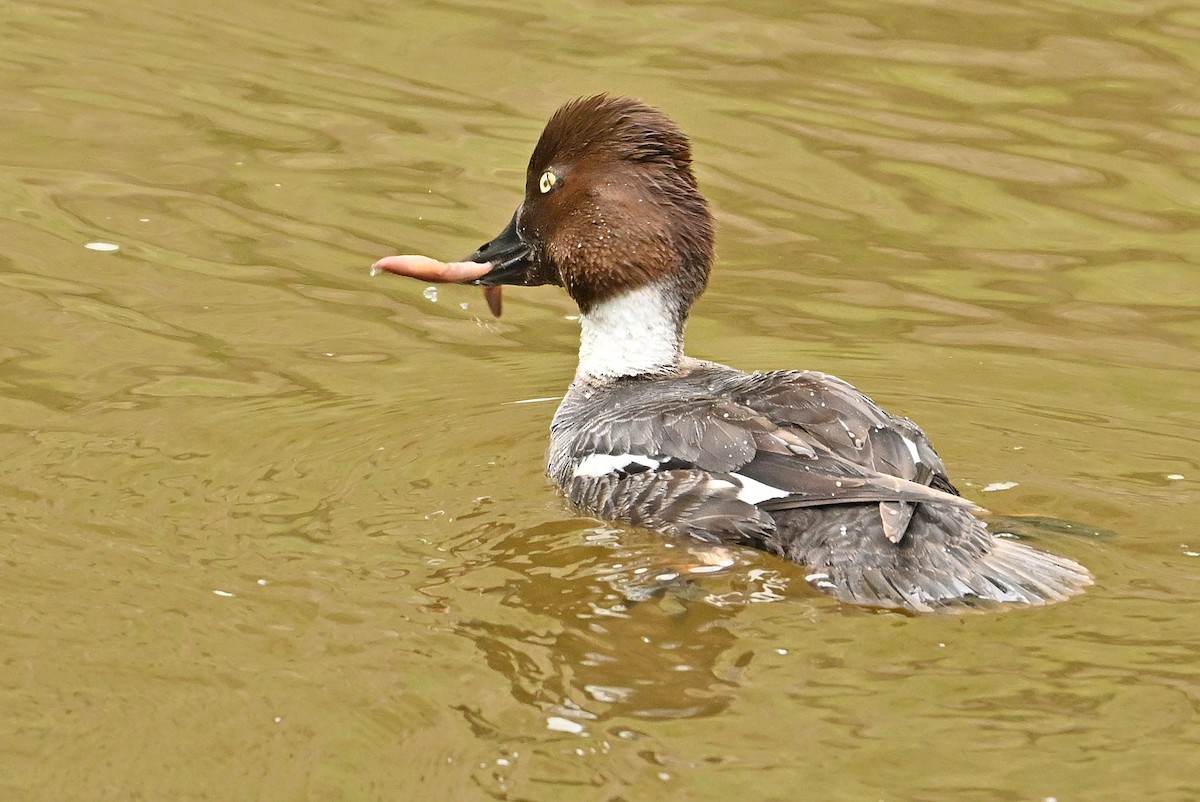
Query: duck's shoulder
{"type": "Point", "coordinates": [688, 415]}
{"type": "Point", "coordinates": [719, 419]}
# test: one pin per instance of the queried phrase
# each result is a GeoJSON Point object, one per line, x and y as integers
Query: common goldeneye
{"type": "Point", "coordinates": [796, 463]}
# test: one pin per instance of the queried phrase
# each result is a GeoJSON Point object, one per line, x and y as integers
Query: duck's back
{"type": "Point", "coordinates": [800, 464]}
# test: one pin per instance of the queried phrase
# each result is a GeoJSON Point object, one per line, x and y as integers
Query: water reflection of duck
{"type": "Point", "coordinates": [565, 633]}
{"type": "Point", "coordinates": [793, 462]}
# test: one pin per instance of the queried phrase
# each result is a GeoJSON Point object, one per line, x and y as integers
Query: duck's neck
{"type": "Point", "coordinates": [639, 332]}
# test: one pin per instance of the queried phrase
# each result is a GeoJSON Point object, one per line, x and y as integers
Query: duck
{"type": "Point", "coordinates": [796, 463]}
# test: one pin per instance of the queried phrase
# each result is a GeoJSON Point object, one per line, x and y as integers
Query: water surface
{"type": "Point", "coordinates": [277, 530]}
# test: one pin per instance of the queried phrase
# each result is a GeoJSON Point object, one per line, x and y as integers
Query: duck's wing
{"type": "Point", "coordinates": [832, 413]}
{"type": "Point", "coordinates": [715, 468]}
{"type": "Point", "coordinates": [834, 483]}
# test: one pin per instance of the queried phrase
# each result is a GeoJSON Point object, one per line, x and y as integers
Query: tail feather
{"type": "Point", "coordinates": [947, 559]}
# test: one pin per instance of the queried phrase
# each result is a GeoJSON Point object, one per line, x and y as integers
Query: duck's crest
{"type": "Point", "coordinates": [614, 127]}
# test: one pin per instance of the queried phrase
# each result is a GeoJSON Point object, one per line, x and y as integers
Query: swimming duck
{"type": "Point", "coordinates": [797, 463]}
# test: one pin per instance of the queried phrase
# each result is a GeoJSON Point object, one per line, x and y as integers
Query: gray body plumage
{"type": "Point", "coordinates": [797, 463]}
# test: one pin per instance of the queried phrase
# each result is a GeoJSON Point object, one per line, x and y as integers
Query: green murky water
{"type": "Point", "coordinates": [275, 530]}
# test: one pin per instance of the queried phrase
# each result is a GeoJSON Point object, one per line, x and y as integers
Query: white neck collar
{"type": "Point", "coordinates": [636, 332]}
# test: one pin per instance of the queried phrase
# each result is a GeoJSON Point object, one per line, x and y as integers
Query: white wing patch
{"type": "Point", "coordinates": [594, 465]}
{"type": "Point", "coordinates": [753, 491]}
{"type": "Point", "coordinates": [749, 490]}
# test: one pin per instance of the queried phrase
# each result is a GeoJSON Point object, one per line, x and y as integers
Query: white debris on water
{"type": "Point", "coordinates": [1175, 477]}
{"type": "Point", "coordinates": [997, 486]}
{"type": "Point", "coordinates": [540, 400]}
{"type": "Point", "coordinates": [560, 724]}
{"type": "Point", "coordinates": [105, 247]}
{"type": "Point", "coordinates": [223, 593]}
{"type": "Point", "coordinates": [608, 693]}
{"type": "Point", "coordinates": [430, 294]}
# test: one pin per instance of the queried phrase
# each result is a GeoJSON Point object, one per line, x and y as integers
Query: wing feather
{"type": "Point", "coordinates": [803, 465]}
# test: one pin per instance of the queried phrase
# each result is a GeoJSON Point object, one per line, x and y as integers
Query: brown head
{"type": "Point", "coordinates": [610, 205]}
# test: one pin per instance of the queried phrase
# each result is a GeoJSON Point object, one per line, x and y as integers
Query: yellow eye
{"type": "Point", "coordinates": [547, 182]}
